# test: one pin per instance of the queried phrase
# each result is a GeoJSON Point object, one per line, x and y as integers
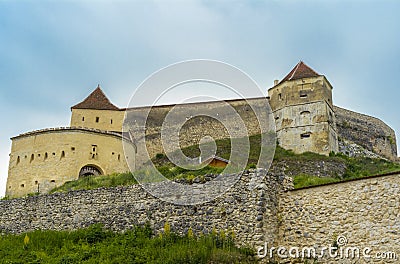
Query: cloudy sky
{"type": "Point", "coordinates": [54, 53]}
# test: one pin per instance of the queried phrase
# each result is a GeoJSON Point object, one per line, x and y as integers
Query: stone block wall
{"type": "Point", "coordinates": [249, 213]}
{"type": "Point", "coordinates": [365, 212]}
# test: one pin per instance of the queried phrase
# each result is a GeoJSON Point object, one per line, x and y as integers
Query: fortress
{"type": "Point", "coordinates": [305, 117]}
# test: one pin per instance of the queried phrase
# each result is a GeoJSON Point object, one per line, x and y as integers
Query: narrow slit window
{"type": "Point", "coordinates": [83, 118]}
{"type": "Point", "coordinates": [18, 160]}
{"type": "Point", "coordinates": [303, 94]}
{"type": "Point", "coordinates": [62, 154]}
{"type": "Point", "coordinates": [111, 121]}
{"type": "Point", "coordinates": [305, 135]}
{"type": "Point", "coordinates": [97, 119]}
{"type": "Point", "coordinates": [46, 155]}
{"type": "Point", "coordinates": [32, 157]}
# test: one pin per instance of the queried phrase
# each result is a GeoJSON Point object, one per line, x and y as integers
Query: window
{"type": "Point", "coordinates": [305, 135]}
{"type": "Point", "coordinates": [9, 187]}
{"type": "Point", "coordinates": [32, 157]}
{"type": "Point", "coordinates": [22, 185]}
{"type": "Point", "coordinates": [83, 118]}
{"type": "Point", "coordinates": [53, 181]}
{"type": "Point", "coordinates": [36, 182]}
{"type": "Point", "coordinates": [303, 94]}
{"type": "Point", "coordinates": [38, 155]}
{"type": "Point", "coordinates": [93, 153]}
{"type": "Point", "coordinates": [45, 155]}
{"type": "Point", "coordinates": [72, 148]}
{"type": "Point", "coordinates": [62, 154]}
{"type": "Point", "coordinates": [119, 157]}
{"type": "Point", "coordinates": [280, 96]}
{"type": "Point", "coordinates": [97, 119]}
{"type": "Point", "coordinates": [18, 160]}
{"type": "Point", "coordinates": [111, 121]}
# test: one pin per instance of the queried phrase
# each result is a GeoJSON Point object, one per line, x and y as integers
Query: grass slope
{"type": "Point", "coordinates": [97, 245]}
{"type": "Point", "coordinates": [355, 167]}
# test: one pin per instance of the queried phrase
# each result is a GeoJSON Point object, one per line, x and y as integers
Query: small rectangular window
{"type": "Point", "coordinates": [83, 118]}
{"type": "Point", "coordinates": [303, 94]}
{"type": "Point", "coordinates": [305, 135]}
{"type": "Point", "coordinates": [97, 119]}
{"type": "Point", "coordinates": [111, 121]}
{"type": "Point", "coordinates": [280, 96]}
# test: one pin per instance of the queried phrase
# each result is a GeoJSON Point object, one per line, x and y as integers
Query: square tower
{"type": "Point", "coordinates": [303, 111]}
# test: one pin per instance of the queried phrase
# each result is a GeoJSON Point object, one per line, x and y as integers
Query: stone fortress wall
{"type": "Point", "coordinates": [42, 160]}
{"type": "Point", "coordinates": [269, 213]}
{"type": "Point", "coordinates": [248, 212]}
{"type": "Point", "coordinates": [366, 131]}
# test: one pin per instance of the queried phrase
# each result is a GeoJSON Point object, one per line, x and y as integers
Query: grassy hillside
{"type": "Point", "coordinates": [307, 169]}
{"type": "Point", "coordinates": [96, 245]}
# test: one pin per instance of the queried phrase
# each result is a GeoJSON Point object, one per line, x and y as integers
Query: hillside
{"type": "Point", "coordinates": [307, 169]}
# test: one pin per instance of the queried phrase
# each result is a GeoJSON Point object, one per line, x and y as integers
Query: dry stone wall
{"type": "Point", "coordinates": [365, 212]}
{"type": "Point", "coordinates": [249, 213]}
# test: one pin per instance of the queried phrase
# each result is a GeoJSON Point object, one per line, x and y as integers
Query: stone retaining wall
{"type": "Point", "coordinates": [366, 212]}
{"type": "Point", "coordinates": [249, 213]}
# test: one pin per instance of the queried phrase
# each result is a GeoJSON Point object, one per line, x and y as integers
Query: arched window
{"type": "Point", "coordinates": [305, 118]}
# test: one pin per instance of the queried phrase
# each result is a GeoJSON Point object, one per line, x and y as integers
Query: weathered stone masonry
{"type": "Point", "coordinates": [365, 211]}
{"type": "Point", "coordinates": [249, 213]}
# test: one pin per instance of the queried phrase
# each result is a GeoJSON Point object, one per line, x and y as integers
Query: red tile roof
{"type": "Point", "coordinates": [96, 100]}
{"type": "Point", "coordinates": [300, 71]}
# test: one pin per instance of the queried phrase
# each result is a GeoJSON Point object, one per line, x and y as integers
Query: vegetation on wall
{"type": "Point", "coordinates": [139, 245]}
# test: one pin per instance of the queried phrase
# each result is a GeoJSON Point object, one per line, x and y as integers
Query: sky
{"type": "Point", "coordinates": [54, 53]}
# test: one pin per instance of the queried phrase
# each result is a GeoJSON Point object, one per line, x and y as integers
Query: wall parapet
{"type": "Point", "coordinates": [64, 129]}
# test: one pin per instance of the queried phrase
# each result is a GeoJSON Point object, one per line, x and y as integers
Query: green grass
{"type": "Point", "coordinates": [97, 245]}
{"type": "Point", "coordinates": [355, 167]}
{"type": "Point", "coordinates": [93, 182]}
{"type": "Point", "coordinates": [303, 180]}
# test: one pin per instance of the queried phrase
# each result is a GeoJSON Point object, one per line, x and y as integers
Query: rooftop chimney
{"type": "Point", "coordinates": [276, 82]}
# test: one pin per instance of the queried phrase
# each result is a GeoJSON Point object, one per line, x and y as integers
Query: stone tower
{"type": "Point", "coordinates": [303, 110]}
